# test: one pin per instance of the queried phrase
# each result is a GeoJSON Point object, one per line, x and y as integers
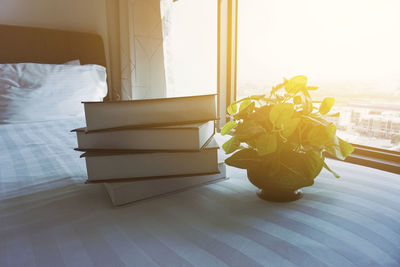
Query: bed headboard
{"type": "Point", "coordinates": [37, 45]}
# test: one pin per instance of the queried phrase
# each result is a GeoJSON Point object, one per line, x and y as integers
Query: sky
{"type": "Point", "coordinates": [341, 41]}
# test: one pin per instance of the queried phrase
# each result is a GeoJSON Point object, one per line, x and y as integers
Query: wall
{"type": "Point", "coordinates": [75, 15]}
{"type": "Point", "coordinates": [83, 15]}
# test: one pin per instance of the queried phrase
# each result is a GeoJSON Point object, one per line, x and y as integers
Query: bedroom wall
{"type": "Point", "coordinates": [83, 15]}
{"type": "Point", "coordinates": [75, 15]}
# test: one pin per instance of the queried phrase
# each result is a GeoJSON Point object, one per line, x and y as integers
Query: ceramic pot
{"type": "Point", "coordinates": [276, 190]}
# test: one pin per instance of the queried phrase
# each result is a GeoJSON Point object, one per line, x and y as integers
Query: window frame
{"type": "Point", "coordinates": [377, 158]}
{"type": "Point", "coordinates": [373, 157]}
{"type": "Point", "coordinates": [227, 56]}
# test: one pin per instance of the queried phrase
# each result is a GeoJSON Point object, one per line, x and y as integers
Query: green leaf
{"type": "Point", "coordinates": [257, 97]}
{"type": "Point", "coordinates": [297, 100]}
{"type": "Point", "coordinates": [340, 148]}
{"type": "Point", "coordinates": [253, 97]}
{"type": "Point", "coordinates": [245, 111]}
{"type": "Point", "coordinates": [345, 148]}
{"type": "Point", "coordinates": [244, 104]}
{"type": "Point", "coordinates": [326, 105]}
{"type": "Point", "coordinates": [321, 135]}
{"type": "Point", "coordinates": [313, 163]}
{"type": "Point", "coordinates": [232, 108]}
{"type": "Point", "coordinates": [306, 102]}
{"type": "Point", "coordinates": [278, 87]}
{"type": "Point", "coordinates": [337, 114]}
{"type": "Point", "coordinates": [299, 169]}
{"type": "Point", "coordinates": [238, 101]}
{"type": "Point", "coordinates": [280, 113]}
{"type": "Point", "coordinates": [291, 170]}
{"type": "Point", "coordinates": [295, 84]}
{"type": "Point", "coordinates": [228, 127]}
{"type": "Point", "coordinates": [266, 144]}
{"type": "Point", "coordinates": [231, 145]}
{"type": "Point", "coordinates": [261, 115]}
{"type": "Point", "coordinates": [334, 149]}
{"type": "Point", "coordinates": [331, 171]}
{"type": "Point", "coordinates": [316, 119]}
{"type": "Point", "coordinates": [290, 126]}
{"type": "Point", "coordinates": [248, 129]}
{"type": "Point", "coordinates": [251, 142]}
{"type": "Point", "coordinates": [244, 159]}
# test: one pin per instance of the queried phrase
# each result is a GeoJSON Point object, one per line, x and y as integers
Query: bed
{"type": "Point", "coordinates": [49, 217]}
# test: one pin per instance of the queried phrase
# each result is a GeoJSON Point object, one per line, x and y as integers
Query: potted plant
{"type": "Point", "coordinates": [281, 139]}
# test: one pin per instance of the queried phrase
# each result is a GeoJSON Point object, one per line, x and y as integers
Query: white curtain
{"type": "Point", "coordinates": [136, 49]}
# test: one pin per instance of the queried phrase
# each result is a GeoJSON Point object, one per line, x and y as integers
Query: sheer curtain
{"type": "Point", "coordinates": [136, 49]}
{"type": "Point", "coordinates": [190, 46]}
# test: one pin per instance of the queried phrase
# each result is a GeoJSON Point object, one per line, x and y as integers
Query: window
{"type": "Point", "coordinates": [350, 49]}
{"type": "Point", "coordinates": [190, 46]}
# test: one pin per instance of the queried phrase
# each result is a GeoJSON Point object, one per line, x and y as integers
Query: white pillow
{"type": "Point", "coordinates": [73, 62]}
{"type": "Point", "coordinates": [40, 92]}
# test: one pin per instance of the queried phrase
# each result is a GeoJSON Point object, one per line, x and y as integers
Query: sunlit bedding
{"type": "Point", "coordinates": [37, 156]}
{"type": "Point", "coordinates": [49, 217]}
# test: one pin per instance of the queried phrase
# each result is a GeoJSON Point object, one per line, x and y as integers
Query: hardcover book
{"type": "Point", "coordinates": [116, 166]}
{"type": "Point", "coordinates": [181, 137]}
{"type": "Point", "coordinates": [126, 192]}
{"type": "Point", "coordinates": [150, 112]}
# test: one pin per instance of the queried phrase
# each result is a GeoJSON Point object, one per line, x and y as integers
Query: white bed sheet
{"type": "Point", "coordinates": [39, 155]}
{"type": "Point", "coordinates": [48, 217]}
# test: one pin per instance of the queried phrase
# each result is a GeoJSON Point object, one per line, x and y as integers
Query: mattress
{"type": "Point", "coordinates": [49, 217]}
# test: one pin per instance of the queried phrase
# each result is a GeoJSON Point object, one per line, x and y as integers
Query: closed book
{"type": "Point", "coordinates": [126, 192]}
{"type": "Point", "coordinates": [150, 112]}
{"type": "Point", "coordinates": [180, 137]}
{"type": "Point", "coordinates": [119, 166]}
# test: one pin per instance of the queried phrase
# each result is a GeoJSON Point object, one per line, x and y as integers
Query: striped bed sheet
{"type": "Point", "coordinates": [351, 221]}
{"type": "Point", "coordinates": [38, 155]}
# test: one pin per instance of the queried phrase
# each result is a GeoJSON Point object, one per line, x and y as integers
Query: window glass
{"type": "Point", "coordinates": [190, 46]}
{"type": "Point", "coordinates": [350, 49]}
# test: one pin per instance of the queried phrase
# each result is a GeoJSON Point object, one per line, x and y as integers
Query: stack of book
{"type": "Point", "coordinates": [143, 148]}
